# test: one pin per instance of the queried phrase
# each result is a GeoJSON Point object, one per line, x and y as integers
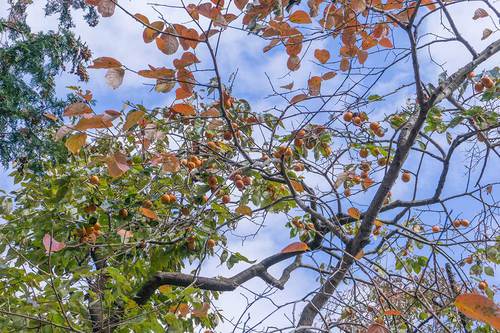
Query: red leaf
{"type": "Point", "coordinates": [51, 245]}
{"type": "Point", "coordinates": [296, 247]}
{"type": "Point", "coordinates": [385, 42]}
{"type": "Point", "coordinates": [392, 312]}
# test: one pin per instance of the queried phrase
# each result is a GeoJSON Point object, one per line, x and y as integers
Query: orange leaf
{"type": "Point", "coordinates": [105, 62]}
{"type": "Point", "coordinates": [296, 247]}
{"type": "Point", "coordinates": [362, 56]}
{"type": "Point", "coordinates": [212, 112]}
{"type": "Point", "coordinates": [117, 164]}
{"type": "Point", "coordinates": [354, 213]}
{"type": "Point", "coordinates": [385, 42]}
{"type": "Point", "coordinates": [76, 142]}
{"type": "Point", "coordinates": [377, 328]}
{"type": "Point", "coordinates": [322, 55]}
{"type": "Point", "coordinates": [298, 98]}
{"type": "Point", "coordinates": [201, 312]}
{"type": "Point", "coordinates": [184, 109]}
{"type": "Point", "coordinates": [98, 121]}
{"type": "Point", "coordinates": [132, 119]}
{"type": "Point", "coordinates": [392, 312]}
{"type": "Point", "coordinates": [148, 213]}
{"type": "Point", "coordinates": [344, 65]}
{"type": "Point", "coordinates": [76, 109]}
{"type": "Point", "coordinates": [328, 75]}
{"type": "Point", "coordinates": [479, 307]}
{"type": "Point", "coordinates": [300, 17]}
{"type": "Point", "coordinates": [360, 254]}
{"type": "Point", "coordinates": [165, 289]}
{"type": "Point", "coordinates": [167, 43]}
{"type": "Point", "coordinates": [358, 5]}
{"type": "Point", "coordinates": [293, 63]}
{"type": "Point", "coordinates": [240, 4]}
{"type": "Point", "coordinates": [297, 186]}
{"type": "Point", "coordinates": [142, 18]}
{"type": "Point", "coordinates": [180, 93]}
{"type": "Point", "coordinates": [314, 84]}
{"type": "Point", "coordinates": [150, 34]}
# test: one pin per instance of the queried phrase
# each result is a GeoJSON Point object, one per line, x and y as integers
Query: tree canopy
{"type": "Point", "coordinates": [113, 234]}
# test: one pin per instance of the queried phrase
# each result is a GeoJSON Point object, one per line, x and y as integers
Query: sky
{"type": "Point", "coordinates": [121, 38]}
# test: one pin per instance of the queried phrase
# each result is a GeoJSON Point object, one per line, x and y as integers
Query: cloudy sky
{"type": "Point", "coordinates": [120, 37]}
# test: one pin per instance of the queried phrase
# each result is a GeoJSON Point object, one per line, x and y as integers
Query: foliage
{"type": "Point", "coordinates": [101, 240]}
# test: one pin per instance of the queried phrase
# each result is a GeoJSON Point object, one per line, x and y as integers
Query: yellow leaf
{"type": "Point", "coordinates": [244, 210]}
{"type": "Point", "coordinates": [150, 34]}
{"type": "Point", "coordinates": [165, 289]}
{"type": "Point", "coordinates": [296, 247]}
{"type": "Point", "coordinates": [132, 119]}
{"type": "Point", "coordinates": [479, 307]}
{"type": "Point", "coordinates": [379, 224]}
{"type": "Point", "coordinates": [300, 17]}
{"type": "Point", "coordinates": [297, 186]}
{"type": "Point", "coordinates": [148, 213]}
{"type": "Point", "coordinates": [76, 142]}
{"type": "Point", "coordinates": [354, 213]}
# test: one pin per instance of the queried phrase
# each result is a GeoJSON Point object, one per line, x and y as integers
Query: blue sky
{"type": "Point", "coordinates": [121, 38]}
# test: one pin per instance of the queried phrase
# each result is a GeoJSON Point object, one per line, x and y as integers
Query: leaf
{"type": "Point", "coordinates": [106, 7]}
{"type": "Point", "coordinates": [360, 254]}
{"type": "Point", "coordinates": [392, 312]}
{"type": "Point", "coordinates": [51, 245]}
{"type": "Point", "coordinates": [300, 17]}
{"type": "Point", "coordinates": [125, 234]}
{"type": "Point", "coordinates": [480, 13]}
{"type": "Point", "coordinates": [322, 55]}
{"type": "Point", "coordinates": [97, 121]}
{"type": "Point", "coordinates": [362, 56]}
{"type": "Point", "coordinates": [354, 213]}
{"type": "Point", "coordinates": [244, 210]}
{"type": "Point", "coordinates": [486, 33]}
{"type": "Point", "coordinates": [297, 186]}
{"type": "Point", "coordinates": [358, 5]}
{"type": "Point", "coordinates": [149, 34]}
{"type": "Point", "coordinates": [142, 18]}
{"type": "Point", "coordinates": [479, 307]}
{"type": "Point", "coordinates": [293, 63]}
{"type": "Point", "coordinates": [50, 116]}
{"type": "Point", "coordinates": [61, 132]}
{"type": "Point", "coordinates": [105, 62]}
{"type": "Point", "coordinates": [377, 328]}
{"type": "Point", "coordinates": [344, 65]}
{"type": "Point", "coordinates": [210, 113]}
{"type": "Point", "coordinates": [117, 164]}
{"type": "Point", "coordinates": [341, 178]}
{"type": "Point", "coordinates": [385, 42]}
{"type": "Point", "coordinates": [240, 4]}
{"type": "Point", "coordinates": [132, 119]}
{"type": "Point", "coordinates": [314, 85]}
{"type": "Point", "coordinates": [298, 98]}
{"type": "Point", "coordinates": [76, 142]}
{"type": "Point", "coordinates": [157, 73]}
{"type": "Point", "coordinates": [328, 75]}
{"type": "Point", "coordinates": [114, 77]}
{"type": "Point", "coordinates": [76, 109]}
{"type": "Point", "coordinates": [288, 86]}
{"type": "Point", "coordinates": [148, 213]}
{"type": "Point", "coordinates": [165, 289]}
{"type": "Point", "coordinates": [201, 312]}
{"type": "Point", "coordinates": [171, 163]}
{"type": "Point", "coordinates": [184, 109]}
{"type": "Point", "coordinates": [167, 43]}
{"type": "Point", "coordinates": [296, 247]}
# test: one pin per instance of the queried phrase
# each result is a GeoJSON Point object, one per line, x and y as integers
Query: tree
{"type": "Point", "coordinates": [30, 63]}
{"type": "Point", "coordinates": [99, 243]}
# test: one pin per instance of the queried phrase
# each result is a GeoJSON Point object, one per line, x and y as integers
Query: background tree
{"type": "Point", "coordinates": [101, 242]}
{"type": "Point", "coordinates": [30, 62]}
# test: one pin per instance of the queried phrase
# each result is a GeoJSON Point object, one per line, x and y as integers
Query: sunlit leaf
{"type": "Point", "coordinates": [148, 213]}
{"type": "Point", "coordinates": [295, 247]}
{"type": "Point", "coordinates": [184, 109]}
{"type": "Point", "coordinates": [149, 34]}
{"type": "Point", "coordinates": [479, 307]}
{"type": "Point", "coordinates": [76, 109]}
{"type": "Point", "coordinates": [117, 164]}
{"type": "Point", "coordinates": [297, 186]}
{"type": "Point", "coordinates": [322, 55]}
{"type": "Point", "coordinates": [354, 213]}
{"type": "Point", "coordinates": [314, 85]}
{"type": "Point", "coordinates": [385, 42]}
{"type": "Point", "coordinates": [75, 142]}
{"type": "Point", "coordinates": [132, 119]}
{"type": "Point", "coordinates": [105, 62]}
{"type": "Point", "coordinates": [298, 98]}
{"type": "Point", "coordinates": [96, 121]}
